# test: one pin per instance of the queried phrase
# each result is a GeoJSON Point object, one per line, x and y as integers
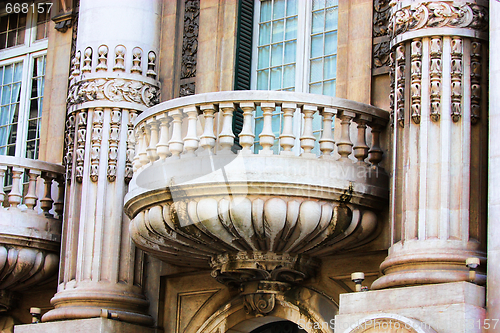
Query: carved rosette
{"type": "Point", "coordinates": [80, 150]}
{"type": "Point", "coordinates": [416, 79]}
{"type": "Point", "coordinates": [114, 139]}
{"type": "Point", "coordinates": [475, 81]}
{"type": "Point", "coordinates": [400, 86]}
{"type": "Point", "coordinates": [456, 78]}
{"type": "Point", "coordinates": [435, 74]}
{"type": "Point", "coordinates": [96, 139]}
{"type": "Point", "coordinates": [113, 90]}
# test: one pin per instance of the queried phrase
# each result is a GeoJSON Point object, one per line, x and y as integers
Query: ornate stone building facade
{"type": "Point", "coordinates": [261, 166]}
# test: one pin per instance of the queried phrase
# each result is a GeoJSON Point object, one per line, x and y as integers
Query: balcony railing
{"type": "Point", "coordinates": [31, 208]}
{"type": "Point", "coordinates": [265, 212]}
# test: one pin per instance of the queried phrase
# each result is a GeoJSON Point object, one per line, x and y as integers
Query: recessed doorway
{"type": "Point", "coordinates": [279, 327]}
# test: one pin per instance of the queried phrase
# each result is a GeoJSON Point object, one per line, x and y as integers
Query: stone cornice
{"type": "Point", "coordinates": [442, 17]}
{"type": "Point", "coordinates": [113, 90]}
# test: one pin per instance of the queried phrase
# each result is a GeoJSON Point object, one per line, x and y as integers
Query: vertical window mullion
{"type": "Point", "coordinates": [22, 127]}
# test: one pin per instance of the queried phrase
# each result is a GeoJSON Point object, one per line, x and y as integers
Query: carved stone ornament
{"type": "Point", "coordinates": [114, 90]}
{"type": "Point", "coordinates": [260, 298]}
{"type": "Point", "coordinates": [381, 44]}
{"type": "Point", "coordinates": [400, 86]}
{"type": "Point", "coordinates": [475, 81]}
{"type": "Point", "coordinates": [187, 89]}
{"type": "Point", "coordinates": [416, 76]}
{"type": "Point", "coordinates": [456, 78]}
{"type": "Point", "coordinates": [438, 14]}
{"type": "Point", "coordinates": [96, 140]}
{"type": "Point", "coordinates": [69, 144]}
{"type": "Point", "coordinates": [381, 53]}
{"type": "Point", "coordinates": [190, 38]}
{"type": "Point", "coordinates": [130, 146]}
{"type": "Point", "coordinates": [435, 74]}
{"type": "Point", "coordinates": [114, 139]}
{"type": "Point", "coordinates": [80, 149]}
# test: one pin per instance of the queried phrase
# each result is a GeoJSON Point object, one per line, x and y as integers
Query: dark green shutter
{"type": "Point", "coordinates": [243, 64]}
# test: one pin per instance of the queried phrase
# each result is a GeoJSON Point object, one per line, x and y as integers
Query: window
{"type": "Point", "coordinates": [294, 49]}
{"type": "Point", "coordinates": [23, 45]}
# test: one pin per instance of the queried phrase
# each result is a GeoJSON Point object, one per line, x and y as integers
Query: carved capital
{"type": "Point", "coordinates": [113, 90]}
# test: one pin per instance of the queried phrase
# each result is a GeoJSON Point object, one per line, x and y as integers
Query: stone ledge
{"type": "Point", "coordinates": [94, 325]}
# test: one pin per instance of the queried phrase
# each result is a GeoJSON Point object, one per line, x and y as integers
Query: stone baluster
{"type": "Point", "coordinates": [344, 146]}
{"type": "Point", "coordinates": [266, 137]}
{"type": "Point", "coordinates": [191, 140]}
{"type": "Point", "coordinates": [247, 135]}
{"type": "Point", "coordinates": [3, 169]}
{"type": "Point", "coordinates": [207, 139]}
{"type": "Point", "coordinates": [15, 196]}
{"type": "Point", "coordinates": [46, 202]}
{"type": "Point", "coordinates": [375, 152]}
{"type": "Point", "coordinates": [226, 136]}
{"type": "Point", "coordinates": [59, 203]}
{"type": "Point", "coordinates": [154, 127]}
{"type": "Point", "coordinates": [307, 139]}
{"type": "Point", "coordinates": [326, 143]}
{"type": "Point", "coordinates": [31, 198]}
{"type": "Point", "coordinates": [176, 145]}
{"type": "Point", "coordinates": [287, 139]}
{"type": "Point", "coordinates": [138, 144]}
{"type": "Point", "coordinates": [361, 148]}
{"type": "Point", "coordinates": [143, 144]}
{"type": "Point", "coordinates": [162, 147]}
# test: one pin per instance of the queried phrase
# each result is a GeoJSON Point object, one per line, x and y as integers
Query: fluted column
{"type": "Point", "coordinates": [113, 79]}
{"type": "Point", "coordinates": [438, 211]}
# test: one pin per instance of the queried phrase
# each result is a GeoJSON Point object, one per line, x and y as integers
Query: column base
{"type": "Point", "coordinates": [94, 325]}
{"type": "Point", "coordinates": [444, 308]}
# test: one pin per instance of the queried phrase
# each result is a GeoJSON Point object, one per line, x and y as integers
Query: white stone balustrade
{"type": "Point", "coordinates": [180, 118]}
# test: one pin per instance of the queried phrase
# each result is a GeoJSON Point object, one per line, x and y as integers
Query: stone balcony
{"type": "Point", "coordinates": [30, 224]}
{"type": "Point", "coordinates": [195, 200]}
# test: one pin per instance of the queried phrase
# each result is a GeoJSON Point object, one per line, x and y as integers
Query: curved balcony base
{"type": "Point", "coordinates": [123, 304]}
{"type": "Point", "coordinates": [437, 262]}
{"type": "Point", "coordinates": [234, 269]}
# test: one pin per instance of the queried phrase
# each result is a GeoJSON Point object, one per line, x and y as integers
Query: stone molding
{"type": "Point", "coordinates": [457, 17]}
{"type": "Point", "coordinates": [113, 90]}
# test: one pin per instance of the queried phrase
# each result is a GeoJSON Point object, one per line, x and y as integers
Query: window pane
{"type": "Point", "coordinates": [264, 33]}
{"type": "Point", "coordinates": [318, 23]}
{"type": "Point", "coordinates": [318, 4]}
{"type": "Point", "coordinates": [278, 27]}
{"type": "Point", "coordinates": [263, 57]}
{"type": "Point", "coordinates": [262, 79]}
{"type": "Point", "coordinates": [290, 52]}
{"type": "Point", "coordinates": [289, 76]}
{"type": "Point", "coordinates": [330, 3]}
{"type": "Point", "coordinates": [265, 11]}
{"type": "Point", "coordinates": [291, 28]}
{"type": "Point", "coordinates": [330, 67]}
{"type": "Point", "coordinates": [276, 54]}
{"type": "Point", "coordinates": [315, 89]}
{"type": "Point", "coordinates": [331, 43]}
{"type": "Point", "coordinates": [291, 7]}
{"type": "Point", "coordinates": [279, 9]}
{"type": "Point", "coordinates": [329, 88]}
{"type": "Point", "coordinates": [317, 46]}
{"type": "Point", "coordinates": [316, 70]}
{"type": "Point", "coordinates": [332, 19]}
{"type": "Point", "coordinates": [275, 78]}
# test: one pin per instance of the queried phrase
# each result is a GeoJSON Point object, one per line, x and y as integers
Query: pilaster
{"type": "Point", "coordinates": [113, 78]}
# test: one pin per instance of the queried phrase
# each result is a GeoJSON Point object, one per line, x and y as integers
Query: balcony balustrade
{"type": "Point", "coordinates": [31, 208]}
{"type": "Point", "coordinates": [194, 200]}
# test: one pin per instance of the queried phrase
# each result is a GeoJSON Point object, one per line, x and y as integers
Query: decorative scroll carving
{"type": "Point", "coordinates": [102, 58]}
{"type": "Point", "coordinates": [439, 14]}
{"type": "Point", "coordinates": [381, 46]}
{"type": "Point", "coordinates": [400, 88]}
{"type": "Point", "coordinates": [80, 150]}
{"type": "Point", "coordinates": [187, 89]}
{"type": "Point", "coordinates": [97, 121]}
{"type": "Point", "coordinates": [136, 61]}
{"type": "Point", "coordinates": [456, 78]}
{"type": "Point", "coordinates": [114, 139]}
{"type": "Point", "coordinates": [119, 58]}
{"type": "Point", "coordinates": [129, 172]}
{"type": "Point", "coordinates": [233, 269]}
{"type": "Point", "coordinates": [87, 60]}
{"type": "Point", "coordinates": [151, 65]}
{"type": "Point", "coordinates": [114, 90]}
{"type": "Point", "coordinates": [69, 145]}
{"type": "Point", "coordinates": [259, 298]}
{"type": "Point", "coordinates": [475, 81]}
{"type": "Point", "coordinates": [435, 72]}
{"type": "Point", "coordinates": [416, 76]}
{"type": "Point", "coordinates": [190, 38]}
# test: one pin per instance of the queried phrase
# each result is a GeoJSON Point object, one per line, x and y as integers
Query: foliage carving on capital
{"type": "Point", "coordinates": [113, 90]}
{"type": "Point", "coordinates": [438, 14]}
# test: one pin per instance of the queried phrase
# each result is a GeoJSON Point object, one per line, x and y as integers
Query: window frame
{"type": "Point", "coordinates": [26, 54]}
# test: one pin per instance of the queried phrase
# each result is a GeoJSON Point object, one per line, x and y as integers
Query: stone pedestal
{"type": "Point", "coordinates": [444, 308]}
{"type": "Point", "coordinates": [439, 109]}
{"type": "Point", "coordinates": [113, 78]}
{"type": "Point", "coordinates": [94, 325]}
